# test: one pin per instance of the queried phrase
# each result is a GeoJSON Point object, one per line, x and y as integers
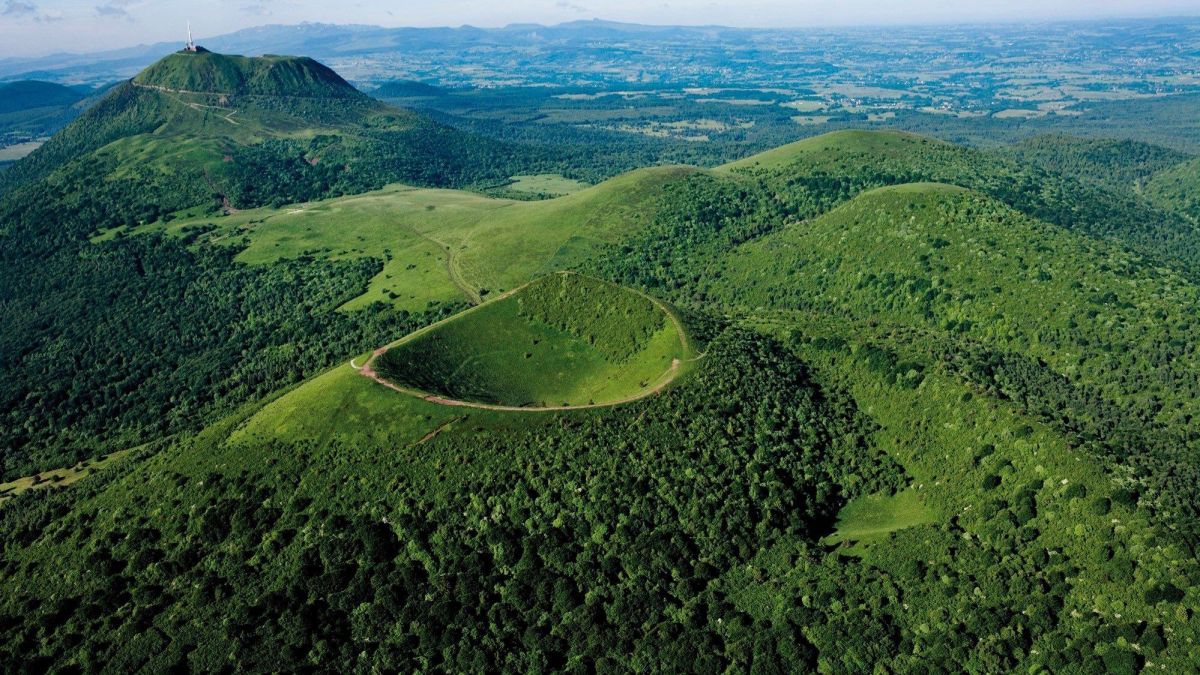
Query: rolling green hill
{"type": "Point", "coordinates": [944, 420]}
{"type": "Point", "coordinates": [1178, 188]}
{"type": "Point", "coordinates": [31, 94]}
{"type": "Point", "coordinates": [852, 161]}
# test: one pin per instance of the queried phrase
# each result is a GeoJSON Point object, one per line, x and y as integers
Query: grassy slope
{"type": "Point", "coordinates": [834, 145]}
{"type": "Point", "coordinates": [341, 406]}
{"type": "Point", "coordinates": [441, 245]}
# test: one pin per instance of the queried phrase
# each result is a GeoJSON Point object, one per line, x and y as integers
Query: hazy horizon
{"type": "Point", "coordinates": [31, 28]}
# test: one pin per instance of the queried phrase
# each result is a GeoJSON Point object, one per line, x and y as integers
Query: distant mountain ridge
{"type": "Point", "coordinates": [321, 40]}
{"type": "Point", "coordinates": [29, 94]}
{"type": "Point", "coordinates": [327, 41]}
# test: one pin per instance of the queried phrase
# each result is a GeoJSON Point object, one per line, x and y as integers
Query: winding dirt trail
{"type": "Point", "coordinates": [456, 276]}
{"type": "Point", "coordinates": [177, 94]}
{"type": "Point", "coordinates": [668, 376]}
{"type": "Point", "coordinates": [662, 382]}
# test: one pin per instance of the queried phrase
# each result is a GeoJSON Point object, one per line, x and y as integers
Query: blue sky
{"type": "Point", "coordinates": [34, 27]}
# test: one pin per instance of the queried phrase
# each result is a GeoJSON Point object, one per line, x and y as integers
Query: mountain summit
{"type": "Point", "coordinates": [198, 127]}
{"type": "Point", "coordinates": [206, 72]}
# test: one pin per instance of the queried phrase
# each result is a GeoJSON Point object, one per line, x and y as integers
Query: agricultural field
{"type": "Point", "coordinates": [11, 153]}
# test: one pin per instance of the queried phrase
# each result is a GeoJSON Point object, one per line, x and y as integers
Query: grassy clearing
{"type": "Point", "coordinates": [58, 477]}
{"type": "Point", "coordinates": [811, 120]}
{"type": "Point", "coordinates": [805, 106]}
{"type": "Point", "coordinates": [12, 153]}
{"type": "Point", "coordinates": [871, 518]}
{"type": "Point", "coordinates": [546, 184]}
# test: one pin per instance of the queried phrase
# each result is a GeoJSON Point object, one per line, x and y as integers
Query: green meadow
{"type": "Point", "coordinates": [551, 184]}
{"type": "Point", "coordinates": [435, 245]}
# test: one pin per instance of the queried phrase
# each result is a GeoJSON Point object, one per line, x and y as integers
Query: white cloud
{"type": "Point", "coordinates": [23, 9]}
{"type": "Point", "coordinates": [258, 8]}
{"type": "Point", "coordinates": [117, 9]}
{"type": "Point", "coordinates": [19, 9]}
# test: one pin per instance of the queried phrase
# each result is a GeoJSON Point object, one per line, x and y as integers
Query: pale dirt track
{"type": "Point", "coordinates": [663, 380]}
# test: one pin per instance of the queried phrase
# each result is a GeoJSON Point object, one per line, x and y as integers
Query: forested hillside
{"type": "Point", "coordinates": [1178, 187]}
{"type": "Point", "coordinates": [1124, 165]}
{"type": "Point", "coordinates": [31, 110]}
{"type": "Point", "coordinates": [31, 94]}
{"type": "Point", "coordinates": [860, 160]}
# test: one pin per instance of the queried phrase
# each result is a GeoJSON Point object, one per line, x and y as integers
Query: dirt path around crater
{"type": "Point", "coordinates": [366, 370]}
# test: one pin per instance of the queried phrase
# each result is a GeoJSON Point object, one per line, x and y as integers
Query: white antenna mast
{"type": "Point", "coordinates": [191, 46]}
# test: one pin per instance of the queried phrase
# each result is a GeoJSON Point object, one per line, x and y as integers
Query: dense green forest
{"type": "Point", "coordinates": [1125, 165]}
{"type": "Point", "coordinates": [931, 408]}
{"type": "Point", "coordinates": [1177, 187]}
{"type": "Point", "coordinates": [1138, 376]}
